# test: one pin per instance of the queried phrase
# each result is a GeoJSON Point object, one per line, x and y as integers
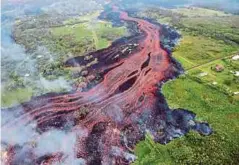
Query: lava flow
{"type": "Point", "coordinates": [108, 118]}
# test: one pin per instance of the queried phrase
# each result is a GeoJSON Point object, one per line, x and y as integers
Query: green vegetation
{"type": "Point", "coordinates": [101, 33]}
{"type": "Point", "coordinates": [87, 17]}
{"type": "Point", "coordinates": [49, 41]}
{"type": "Point", "coordinates": [196, 50]}
{"type": "Point", "coordinates": [210, 105]}
{"type": "Point", "coordinates": [223, 28]}
{"type": "Point", "coordinates": [199, 12]}
{"type": "Point", "coordinates": [198, 21]}
{"type": "Point", "coordinates": [10, 98]}
{"type": "Point", "coordinates": [75, 36]}
{"type": "Point", "coordinates": [208, 40]}
{"type": "Point", "coordinates": [225, 79]}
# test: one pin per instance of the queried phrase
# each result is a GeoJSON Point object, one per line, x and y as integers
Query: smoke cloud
{"type": "Point", "coordinates": [14, 57]}
{"type": "Point", "coordinates": [32, 142]}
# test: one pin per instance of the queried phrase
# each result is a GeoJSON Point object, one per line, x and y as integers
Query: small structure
{"type": "Point", "coordinates": [203, 74]}
{"type": "Point", "coordinates": [236, 57]}
{"type": "Point", "coordinates": [218, 68]}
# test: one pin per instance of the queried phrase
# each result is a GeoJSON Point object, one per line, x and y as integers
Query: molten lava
{"type": "Point", "coordinates": [115, 113]}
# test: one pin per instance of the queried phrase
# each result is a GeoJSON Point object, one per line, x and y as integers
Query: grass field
{"type": "Point", "coordinates": [101, 32]}
{"type": "Point", "coordinates": [226, 79]}
{"type": "Point", "coordinates": [196, 50]}
{"type": "Point", "coordinates": [74, 37]}
{"type": "Point", "coordinates": [210, 105]}
{"type": "Point", "coordinates": [222, 28]}
{"type": "Point", "coordinates": [198, 21]}
{"type": "Point", "coordinates": [88, 17]}
{"type": "Point", "coordinates": [197, 11]}
{"type": "Point", "coordinates": [202, 90]}
{"type": "Point", "coordinates": [10, 98]}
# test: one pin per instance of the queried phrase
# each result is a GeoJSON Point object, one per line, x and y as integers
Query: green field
{"type": "Point", "coordinates": [226, 79]}
{"type": "Point", "coordinates": [10, 98]}
{"type": "Point", "coordinates": [101, 32]}
{"type": "Point", "coordinates": [208, 93]}
{"type": "Point", "coordinates": [210, 105]}
{"type": "Point", "coordinates": [223, 28]}
{"type": "Point", "coordinates": [196, 50]}
{"type": "Point", "coordinates": [197, 11]}
{"type": "Point", "coordinates": [199, 54]}
{"type": "Point", "coordinates": [82, 31]}
{"type": "Point", "coordinates": [61, 40]}
{"type": "Point", "coordinates": [198, 21]}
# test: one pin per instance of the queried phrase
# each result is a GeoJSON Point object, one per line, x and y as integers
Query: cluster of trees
{"type": "Point", "coordinates": [215, 107]}
{"type": "Point", "coordinates": [17, 82]}
{"type": "Point", "coordinates": [227, 36]}
{"type": "Point", "coordinates": [68, 44]}
{"type": "Point", "coordinates": [39, 22]}
{"type": "Point", "coordinates": [157, 13]}
{"type": "Point", "coordinates": [50, 64]}
{"type": "Point", "coordinates": [110, 36]}
{"type": "Point", "coordinates": [30, 39]}
{"type": "Point", "coordinates": [228, 33]}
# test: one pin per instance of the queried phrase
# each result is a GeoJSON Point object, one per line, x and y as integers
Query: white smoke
{"type": "Point", "coordinates": [14, 57]}
{"type": "Point", "coordinates": [40, 144]}
{"type": "Point", "coordinates": [70, 161]}
{"type": "Point", "coordinates": [53, 85]}
{"type": "Point", "coordinates": [115, 113]}
{"type": "Point", "coordinates": [16, 60]}
{"type": "Point", "coordinates": [55, 141]}
{"type": "Point", "coordinates": [18, 134]}
{"type": "Point", "coordinates": [116, 151]}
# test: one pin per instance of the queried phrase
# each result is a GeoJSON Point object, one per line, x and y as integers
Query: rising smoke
{"type": "Point", "coordinates": [14, 57]}
{"type": "Point", "coordinates": [33, 143]}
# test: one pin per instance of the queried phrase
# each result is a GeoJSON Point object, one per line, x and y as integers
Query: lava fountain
{"type": "Point", "coordinates": [101, 123]}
